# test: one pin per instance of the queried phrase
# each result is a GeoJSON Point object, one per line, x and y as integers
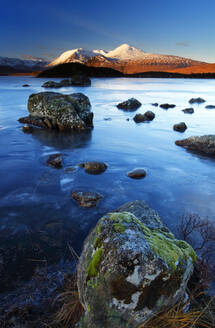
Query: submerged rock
{"type": "Point", "coordinates": [204, 144]}
{"type": "Point", "coordinates": [137, 174]}
{"type": "Point", "coordinates": [55, 160]}
{"type": "Point", "coordinates": [131, 267]}
{"type": "Point", "coordinates": [188, 110]}
{"type": "Point", "coordinates": [94, 167]}
{"type": "Point", "coordinates": [180, 127]}
{"type": "Point", "coordinates": [86, 198]}
{"type": "Point", "coordinates": [130, 104]}
{"type": "Point", "coordinates": [210, 106]}
{"type": "Point", "coordinates": [167, 106]}
{"type": "Point", "coordinates": [54, 110]}
{"type": "Point", "coordinates": [27, 128]}
{"type": "Point", "coordinates": [147, 116]}
{"type": "Point", "coordinates": [196, 100]}
{"type": "Point", "coordinates": [155, 104]}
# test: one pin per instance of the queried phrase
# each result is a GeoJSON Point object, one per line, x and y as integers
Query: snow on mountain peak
{"type": "Point", "coordinates": [125, 51]}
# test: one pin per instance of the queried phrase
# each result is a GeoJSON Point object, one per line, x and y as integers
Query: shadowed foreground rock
{"type": "Point", "coordinates": [54, 110]}
{"type": "Point", "coordinates": [130, 105]}
{"type": "Point", "coordinates": [204, 144]}
{"type": "Point", "coordinates": [55, 160]}
{"type": "Point", "coordinates": [131, 267]}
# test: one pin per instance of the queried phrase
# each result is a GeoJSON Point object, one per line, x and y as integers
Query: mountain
{"type": "Point", "coordinates": [16, 65]}
{"type": "Point", "coordinates": [126, 59]}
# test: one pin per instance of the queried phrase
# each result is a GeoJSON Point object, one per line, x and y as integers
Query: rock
{"type": "Point", "coordinates": [148, 116]}
{"type": "Point", "coordinates": [204, 144]}
{"type": "Point", "coordinates": [188, 110]}
{"type": "Point", "coordinates": [54, 110]}
{"type": "Point", "coordinates": [130, 105]}
{"type": "Point", "coordinates": [167, 106]}
{"type": "Point", "coordinates": [196, 100]}
{"type": "Point", "coordinates": [155, 104]}
{"type": "Point", "coordinates": [210, 106]}
{"type": "Point", "coordinates": [137, 174]}
{"type": "Point", "coordinates": [80, 80]}
{"type": "Point", "coordinates": [27, 128]}
{"type": "Point", "coordinates": [69, 169]}
{"type": "Point", "coordinates": [51, 84]}
{"type": "Point", "coordinates": [66, 83]}
{"type": "Point", "coordinates": [86, 198]}
{"type": "Point", "coordinates": [180, 127]}
{"type": "Point", "coordinates": [107, 119]}
{"type": "Point", "coordinates": [55, 160]}
{"type": "Point", "coordinates": [33, 120]}
{"type": "Point", "coordinates": [94, 167]}
{"type": "Point", "coordinates": [131, 268]}
{"type": "Point", "coordinates": [26, 85]}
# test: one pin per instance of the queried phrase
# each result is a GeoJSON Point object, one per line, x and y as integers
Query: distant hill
{"type": "Point", "coordinates": [67, 70]}
{"type": "Point", "coordinates": [16, 65]}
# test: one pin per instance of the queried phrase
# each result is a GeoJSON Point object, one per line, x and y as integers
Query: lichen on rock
{"type": "Point", "coordinates": [131, 267]}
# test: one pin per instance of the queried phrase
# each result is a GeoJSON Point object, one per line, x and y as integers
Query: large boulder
{"type": "Point", "coordinates": [204, 144]}
{"type": "Point", "coordinates": [58, 111]}
{"type": "Point", "coordinates": [131, 267]}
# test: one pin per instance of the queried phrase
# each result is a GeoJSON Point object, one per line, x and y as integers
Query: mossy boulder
{"type": "Point", "coordinates": [57, 111]}
{"type": "Point", "coordinates": [131, 267]}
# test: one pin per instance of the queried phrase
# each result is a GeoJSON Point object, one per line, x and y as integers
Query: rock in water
{"type": "Point", "coordinates": [55, 160]}
{"type": "Point", "coordinates": [167, 106]}
{"type": "Point", "coordinates": [94, 167]}
{"type": "Point", "coordinates": [137, 174]}
{"type": "Point", "coordinates": [131, 267]}
{"type": "Point", "coordinates": [180, 127]}
{"type": "Point", "coordinates": [196, 100]}
{"type": "Point", "coordinates": [204, 144]}
{"type": "Point", "coordinates": [188, 110]}
{"type": "Point", "coordinates": [58, 111]}
{"type": "Point", "coordinates": [147, 116]}
{"type": "Point", "coordinates": [86, 198]}
{"type": "Point", "coordinates": [210, 106]}
{"type": "Point", "coordinates": [129, 105]}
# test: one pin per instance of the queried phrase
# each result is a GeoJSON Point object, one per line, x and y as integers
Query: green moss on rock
{"type": "Point", "coordinates": [96, 259]}
{"type": "Point", "coordinates": [119, 227]}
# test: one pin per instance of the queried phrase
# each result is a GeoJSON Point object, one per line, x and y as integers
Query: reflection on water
{"type": "Point", "coordinates": [62, 140]}
{"type": "Point", "coordinates": [38, 218]}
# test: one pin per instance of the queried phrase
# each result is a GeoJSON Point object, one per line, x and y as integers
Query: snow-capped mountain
{"type": "Point", "coordinates": [126, 59]}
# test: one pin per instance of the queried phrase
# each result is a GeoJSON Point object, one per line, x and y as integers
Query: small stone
{"type": "Point", "coordinates": [210, 106]}
{"type": "Point", "coordinates": [27, 128]}
{"type": "Point", "coordinates": [155, 104]}
{"type": "Point", "coordinates": [129, 105]}
{"type": "Point", "coordinates": [26, 85]}
{"type": "Point", "coordinates": [188, 110]}
{"type": "Point", "coordinates": [55, 160]}
{"type": "Point", "coordinates": [137, 174]}
{"type": "Point", "coordinates": [147, 116]}
{"type": "Point", "coordinates": [51, 84]}
{"type": "Point", "coordinates": [180, 127]}
{"type": "Point", "coordinates": [167, 106]}
{"type": "Point", "coordinates": [86, 198]}
{"type": "Point", "coordinates": [196, 100]}
{"type": "Point", "coordinates": [107, 119]}
{"type": "Point", "coordinates": [94, 167]}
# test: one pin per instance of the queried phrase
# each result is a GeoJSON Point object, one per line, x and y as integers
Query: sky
{"type": "Point", "coordinates": [46, 28]}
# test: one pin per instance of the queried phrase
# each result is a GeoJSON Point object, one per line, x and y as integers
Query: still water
{"type": "Point", "coordinates": [38, 218]}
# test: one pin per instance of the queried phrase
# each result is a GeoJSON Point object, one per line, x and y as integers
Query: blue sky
{"type": "Point", "coordinates": [49, 27]}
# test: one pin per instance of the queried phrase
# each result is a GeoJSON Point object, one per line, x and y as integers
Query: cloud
{"type": "Point", "coordinates": [48, 55]}
{"type": "Point", "coordinates": [183, 44]}
{"type": "Point", "coordinates": [29, 57]}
